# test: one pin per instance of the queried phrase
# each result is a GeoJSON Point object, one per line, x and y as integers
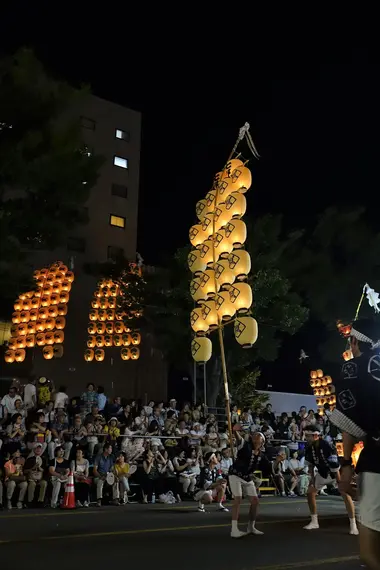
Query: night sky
{"type": "Point", "coordinates": [312, 102]}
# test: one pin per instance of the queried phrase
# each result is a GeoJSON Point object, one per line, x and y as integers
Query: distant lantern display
{"type": "Point", "coordinates": [38, 318]}
{"type": "Point", "coordinates": [107, 327]}
{"type": "Point", "coordinates": [323, 390]}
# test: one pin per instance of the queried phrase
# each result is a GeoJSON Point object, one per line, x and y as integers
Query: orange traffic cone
{"type": "Point", "coordinates": [69, 496]}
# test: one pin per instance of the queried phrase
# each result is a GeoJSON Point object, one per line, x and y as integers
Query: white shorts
{"type": "Point", "coordinates": [369, 500]}
{"type": "Point", "coordinates": [241, 488]}
{"type": "Point", "coordinates": [321, 482]}
{"type": "Point", "coordinates": [212, 493]}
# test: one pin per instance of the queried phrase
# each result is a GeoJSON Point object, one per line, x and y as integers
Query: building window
{"type": "Point", "coordinates": [5, 332]}
{"type": "Point", "coordinates": [114, 253]}
{"type": "Point", "coordinates": [76, 244]}
{"type": "Point", "coordinates": [120, 161]}
{"type": "Point", "coordinates": [117, 221]}
{"type": "Point", "coordinates": [87, 123]}
{"type": "Point", "coordinates": [123, 135]}
{"type": "Point", "coordinates": [119, 190]}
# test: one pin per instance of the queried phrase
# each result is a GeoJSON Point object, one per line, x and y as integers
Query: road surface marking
{"type": "Point", "coordinates": [309, 563]}
{"type": "Point", "coordinates": [155, 530]}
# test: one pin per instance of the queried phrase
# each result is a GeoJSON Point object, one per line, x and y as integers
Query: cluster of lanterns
{"type": "Point", "coordinates": [323, 389]}
{"type": "Point", "coordinates": [106, 327]}
{"type": "Point", "coordinates": [345, 331]}
{"type": "Point", "coordinates": [39, 315]}
{"type": "Point", "coordinates": [219, 263]}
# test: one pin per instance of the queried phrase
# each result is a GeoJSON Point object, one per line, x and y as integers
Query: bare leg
{"type": "Point", "coordinates": [252, 516]}
{"type": "Point", "coordinates": [369, 541]}
{"type": "Point", "coordinates": [350, 507]}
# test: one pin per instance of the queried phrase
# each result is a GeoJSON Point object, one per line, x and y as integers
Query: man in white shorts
{"type": "Point", "coordinates": [250, 458]}
{"type": "Point", "coordinates": [323, 458]}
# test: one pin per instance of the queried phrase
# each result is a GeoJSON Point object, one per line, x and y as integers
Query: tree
{"type": "Point", "coordinates": [243, 390]}
{"type": "Point", "coordinates": [46, 171]}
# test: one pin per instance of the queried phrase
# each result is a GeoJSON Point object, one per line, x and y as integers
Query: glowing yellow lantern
{"type": "Point", "coordinates": [347, 355]}
{"type": "Point", "coordinates": [58, 351]}
{"type": "Point", "coordinates": [62, 309]}
{"type": "Point", "coordinates": [89, 355]}
{"type": "Point", "coordinates": [109, 328]}
{"type": "Point", "coordinates": [110, 314]}
{"type": "Point", "coordinates": [100, 328]}
{"type": "Point", "coordinates": [49, 279]}
{"type": "Point", "coordinates": [112, 303]}
{"type": "Point", "coordinates": [210, 200]}
{"type": "Point", "coordinates": [21, 329]}
{"type": "Point", "coordinates": [27, 305]}
{"type": "Point", "coordinates": [222, 216]}
{"type": "Point", "coordinates": [16, 317]}
{"type": "Point", "coordinates": [55, 298]}
{"type": "Point", "coordinates": [196, 291]}
{"type": "Point", "coordinates": [197, 235]}
{"type": "Point", "coordinates": [114, 289]}
{"type": "Point", "coordinates": [35, 303]}
{"type": "Point", "coordinates": [119, 315]}
{"type": "Point", "coordinates": [50, 324]}
{"type": "Point", "coordinates": [47, 290]}
{"type": "Point", "coordinates": [241, 296]}
{"type": "Point", "coordinates": [53, 311]}
{"type": "Point", "coordinates": [31, 328]}
{"type": "Point", "coordinates": [232, 165]}
{"type": "Point", "coordinates": [91, 329]}
{"type": "Point", "coordinates": [12, 343]}
{"type": "Point", "coordinates": [240, 263]}
{"type": "Point", "coordinates": [224, 306]}
{"type": "Point", "coordinates": [201, 209]}
{"type": "Point", "coordinates": [103, 304]}
{"type": "Point", "coordinates": [196, 263]}
{"type": "Point", "coordinates": [223, 244]}
{"type": "Point", "coordinates": [18, 305]}
{"type": "Point", "coordinates": [99, 341]}
{"type": "Point", "coordinates": [117, 340]}
{"type": "Point", "coordinates": [57, 287]}
{"type": "Point", "coordinates": [48, 352]}
{"type": "Point", "coordinates": [65, 286]}
{"type": "Point", "coordinates": [108, 340]}
{"type": "Point", "coordinates": [208, 280]}
{"type": "Point", "coordinates": [99, 354]}
{"type": "Point", "coordinates": [20, 355]}
{"type": "Point", "coordinates": [224, 275]}
{"type": "Point", "coordinates": [62, 268]}
{"type": "Point", "coordinates": [210, 314]}
{"type": "Point", "coordinates": [225, 188]}
{"type": "Point", "coordinates": [118, 328]}
{"type": "Point", "coordinates": [40, 326]}
{"type": "Point", "coordinates": [59, 337]}
{"type": "Point", "coordinates": [206, 251]}
{"type": "Point", "coordinates": [136, 338]}
{"type": "Point", "coordinates": [319, 373]}
{"type": "Point", "coordinates": [135, 353]}
{"type": "Point", "coordinates": [45, 301]}
{"type": "Point", "coordinates": [125, 354]}
{"type": "Point", "coordinates": [197, 322]}
{"type": "Point", "coordinates": [24, 316]}
{"type": "Point", "coordinates": [33, 314]}
{"type": "Point", "coordinates": [236, 205]}
{"type": "Point", "coordinates": [95, 303]}
{"type": "Point", "coordinates": [313, 374]}
{"type": "Point", "coordinates": [201, 349]}
{"type": "Point", "coordinates": [70, 276]}
{"type": "Point", "coordinates": [246, 331]}
{"type": "Point", "coordinates": [241, 179]}
{"type": "Point", "coordinates": [126, 339]}
{"type": "Point", "coordinates": [93, 315]}
{"type": "Point", "coordinates": [91, 341]}
{"type": "Point", "coordinates": [49, 337]}
{"type": "Point", "coordinates": [236, 231]}
{"type": "Point", "coordinates": [102, 315]}
{"type": "Point", "coordinates": [64, 297]}
{"type": "Point", "coordinates": [9, 356]}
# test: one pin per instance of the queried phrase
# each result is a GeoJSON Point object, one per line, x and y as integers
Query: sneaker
{"type": "Point", "coordinates": [86, 504]}
{"type": "Point", "coordinates": [292, 494]}
{"type": "Point", "coordinates": [253, 530]}
{"type": "Point", "coordinates": [283, 494]}
{"type": "Point", "coordinates": [19, 505]}
{"type": "Point", "coordinates": [201, 508]}
{"type": "Point", "coordinates": [9, 505]}
{"type": "Point", "coordinates": [223, 509]}
{"type": "Point", "coordinates": [311, 526]}
{"type": "Point", "coordinates": [237, 534]}
{"type": "Point", "coordinates": [79, 504]}
{"type": "Point", "coordinates": [354, 530]}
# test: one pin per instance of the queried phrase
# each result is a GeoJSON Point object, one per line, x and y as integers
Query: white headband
{"type": "Point", "coordinates": [362, 338]}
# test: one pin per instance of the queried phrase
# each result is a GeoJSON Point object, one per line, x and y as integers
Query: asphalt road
{"type": "Point", "coordinates": [177, 536]}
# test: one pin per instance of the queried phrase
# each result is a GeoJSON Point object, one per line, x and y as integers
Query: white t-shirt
{"type": "Point", "coordinates": [60, 400]}
{"type": "Point", "coordinates": [9, 403]}
{"type": "Point", "coordinates": [29, 393]}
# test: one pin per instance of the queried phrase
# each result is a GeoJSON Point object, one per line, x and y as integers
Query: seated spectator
{"type": "Point", "coordinates": [10, 399]}
{"type": "Point", "coordinates": [183, 463]}
{"type": "Point", "coordinates": [300, 470]}
{"type": "Point", "coordinates": [20, 409]}
{"type": "Point", "coordinates": [61, 399]}
{"type": "Point", "coordinates": [268, 432]}
{"type": "Point", "coordinates": [141, 421]}
{"type": "Point", "coordinates": [112, 431]}
{"type": "Point", "coordinates": [14, 477]}
{"type": "Point", "coordinates": [103, 465]}
{"type": "Point", "coordinates": [122, 472]}
{"type": "Point", "coordinates": [80, 467]}
{"type": "Point", "coordinates": [282, 428]}
{"type": "Point", "coordinates": [226, 462]}
{"type": "Point", "coordinates": [59, 431]}
{"type": "Point", "coordinates": [269, 417]}
{"type": "Point", "coordinates": [59, 469]}
{"type": "Point", "coordinates": [79, 433]}
{"type": "Point", "coordinates": [49, 412]}
{"type": "Point", "coordinates": [171, 487]}
{"type": "Point", "coordinates": [278, 470]}
{"type": "Point", "coordinates": [34, 469]}
{"type": "Point", "coordinates": [38, 432]}
{"type": "Point", "coordinates": [152, 481]}
{"type": "Point", "coordinates": [89, 398]}
{"type": "Point", "coordinates": [15, 434]}
{"type": "Point", "coordinates": [114, 407]}
{"type": "Point", "coordinates": [212, 485]}
{"type": "Point", "coordinates": [196, 435]}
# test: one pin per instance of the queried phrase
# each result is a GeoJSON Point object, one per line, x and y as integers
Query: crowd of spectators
{"type": "Point", "coordinates": [122, 451]}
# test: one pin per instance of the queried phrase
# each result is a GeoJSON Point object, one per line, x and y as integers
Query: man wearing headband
{"type": "Point", "coordinates": [357, 415]}
{"type": "Point", "coordinates": [250, 458]}
{"type": "Point", "coordinates": [324, 470]}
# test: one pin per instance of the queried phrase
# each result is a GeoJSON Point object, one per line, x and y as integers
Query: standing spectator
{"type": "Point", "coordinates": [103, 465]}
{"type": "Point", "coordinates": [61, 399]}
{"type": "Point", "coordinates": [269, 417]}
{"type": "Point", "coordinates": [34, 469]}
{"type": "Point", "coordinates": [45, 390]}
{"type": "Point", "coordinates": [9, 400]}
{"type": "Point", "coordinates": [234, 415]}
{"type": "Point", "coordinates": [59, 469]}
{"type": "Point", "coordinates": [173, 407]}
{"type": "Point", "coordinates": [89, 398]}
{"type": "Point", "coordinates": [102, 399]}
{"type": "Point", "coordinates": [80, 467]}
{"type": "Point", "coordinates": [14, 477]}
{"type": "Point", "coordinates": [30, 395]}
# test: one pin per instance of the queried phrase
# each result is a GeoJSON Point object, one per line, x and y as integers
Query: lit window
{"type": "Point", "coordinates": [5, 332]}
{"type": "Point", "coordinates": [117, 221]}
{"type": "Point", "coordinates": [115, 253]}
{"type": "Point", "coordinates": [119, 190]}
{"type": "Point", "coordinates": [120, 161]}
{"type": "Point", "coordinates": [123, 135]}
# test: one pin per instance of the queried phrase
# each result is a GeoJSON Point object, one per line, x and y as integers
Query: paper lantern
{"type": "Point", "coordinates": [240, 263]}
{"type": "Point", "coordinates": [328, 379]}
{"type": "Point", "coordinates": [118, 328]}
{"type": "Point", "coordinates": [59, 337]}
{"type": "Point", "coordinates": [108, 340]}
{"type": "Point", "coordinates": [112, 303]}
{"type": "Point", "coordinates": [135, 353]}
{"type": "Point", "coordinates": [27, 305]}
{"type": "Point", "coordinates": [21, 329]}
{"type": "Point", "coordinates": [201, 209]}
{"type": "Point", "coordinates": [64, 297]}
{"type": "Point", "coordinates": [69, 276]}
{"type": "Point", "coordinates": [109, 328]}
{"type": "Point", "coordinates": [197, 322]}
{"type": "Point", "coordinates": [119, 315]}
{"type": "Point", "coordinates": [40, 282]}
{"type": "Point", "coordinates": [14, 330]}
{"type": "Point", "coordinates": [222, 216]}
{"type": "Point", "coordinates": [236, 231]}
{"type": "Point", "coordinates": [91, 341]}
{"type": "Point", "coordinates": [208, 281]}
{"type": "Point", "coordinates": [40, 326]}
{"type": "Point", "coordinates": [347, 355]}
{"type": "Point", "coordinates": [93, 315]}
{"type": "Point", "coordinates": [197, 235]}
{"type": "Point", "coordinates": [9, 356]}
{"type": "Point", "coordinates": [24, 316]}
{"type": "Point", "coordinates": [44, 271]}
{"type": "Point", "coordinates": [31, 328]}
{"type": "Point", "coordinates": [99, 341]}
{"type": "Point", "coordinates": [110, 314]}
{"type": "Point", "coordinates": [241, 178]}
{"type": "Point", "coordinates": [136, 338]}
{"type": "Point", "coordinates": [18, 305]}
{"type": "Point", "coordinates": [50, 324]}
{"type": "Point", "coordinates": [201, 349]}
{"type": "Point", "coordinates": [53, 311]}
{"type": "Point", "coordinates": [208, 225]}
{"type": "Point", "coordinates": [48, 352]}
{"type": "Point", "coordinates": [313, 374]}
{"type": "Point", "coordinates": [210, 314]}
{"type": "Point", "coordinates": [319, 373]}
{"type": "Point", "coordinates": [206, 250]}
{"type": "Point", "coordinates": [35, 303]}
{"type": "Point", "coordinates": [95, 303]}
{"type": "Point", "coordinates": [89, 355]}
{"type": "Point", "coordinates": [45, 301]}
{"type": "Point", "coordinates": [55, 298]}
{"type": "Point", "coordinates": [196, 291]}
{"type": "Point", "coordinates": [20, 355]}
{"type": "Point", "coordinates": [62, 268]}
{"type": "Point", "coordinates": [57, 287]}
{"type": "Point", "coordinates": [16, 317]}
{"type": "Point", "coordinates": [91, 328]}
{"type": "Point", "coordinates": [232, 165]}
{"type": "Point", "coordinates": [117, 340]}
{"type": "Point", "coordinates": [47, 290]}
{"type": "Point", "coordinates": [241, 296]}
{"type": "Point", "coordinates": [50, 278]}
{"type": "Point", "coordinates": [210, 200]}
{"type": "Point", "coordinates": [246, 331]}
{"type": "Point", "coordinates": [49, 337]}
{"type": "Point", "coordinates": [125, 354]}
{"type": "Point", "coordinates": [103, 303]}
{"type": "Point", "coordinates": [100, 328]}
{"type": "Point", "coordinates": [114, 290]}
{"type": "Point", "coordinates": [126, 339]}
{"type": "Point", "coordinates": [225, 188]}
{"type": "Point", "coordinates": [236, 205]}
{"type": "Point", "coordinates": [12, 343]}
{"type": "Point", "coordinates": [66, 286]}
{"type": "Point", "coordinates": [99, 354]}
{"type": "Point", "coordinates": [33, 314]}
{"type": "Point", "coordinates": [98, 293]}
{"type": "Point", "coordinates": [196, 263]}
{"type": "Point", "coordinates": [62, 309]}
{"type": "Point", "coordinates": [224, 306]}
{"type": "Point", "coordinates": [224, 275]}
{"type": "Point", "coordinates": [106, 291]}
{"type": "Point", "coordinates": [223, 244]}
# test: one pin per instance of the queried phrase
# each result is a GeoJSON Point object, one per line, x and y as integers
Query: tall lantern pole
{"type": "Point", "coordinates": [220, 264]}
